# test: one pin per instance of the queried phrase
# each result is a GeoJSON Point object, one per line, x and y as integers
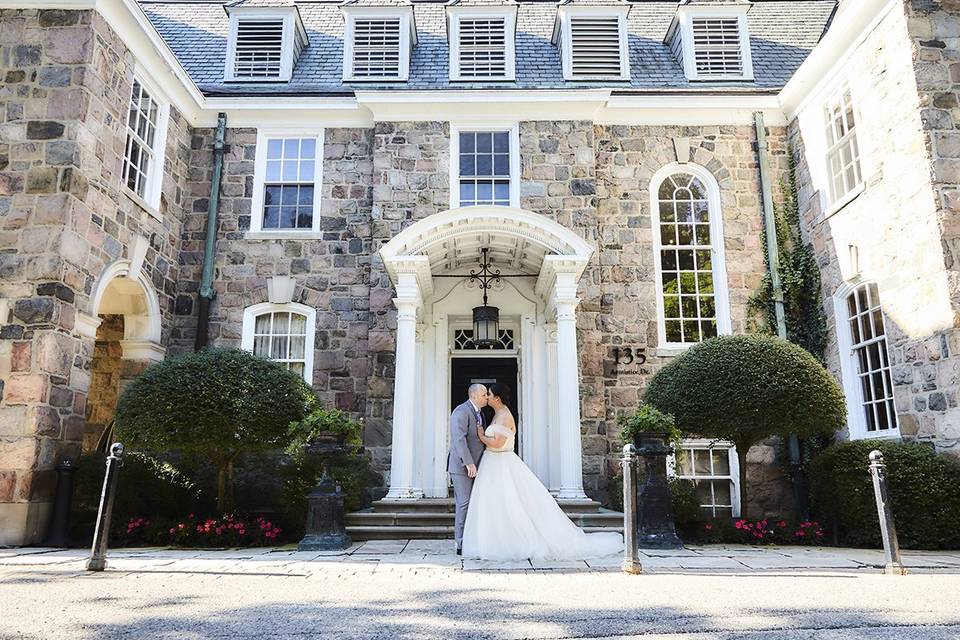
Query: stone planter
{"type": "Point", "coordinates": [655, 527]}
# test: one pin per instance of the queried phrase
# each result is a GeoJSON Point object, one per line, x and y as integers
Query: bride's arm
{"type": "Point", "coordinates": [496, 442]}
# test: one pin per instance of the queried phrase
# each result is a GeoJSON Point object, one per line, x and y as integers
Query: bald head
{"type": "Point", "coordinates": [478, 394]}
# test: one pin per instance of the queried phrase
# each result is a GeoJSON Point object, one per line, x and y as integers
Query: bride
{"type": "Point", "coordinates": [512, 516]}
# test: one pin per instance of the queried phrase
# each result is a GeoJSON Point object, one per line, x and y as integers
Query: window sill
{"type": "Point", "coordinates": [839, 205]}
{"type": "Point", "coordinates": [669, 350]}
{"type": "Point", "coordinates": [894, 435]}
{"type": "Point", "coordinates": [283, 235]}
{"type": "Point", "coordinates": [140, 202]}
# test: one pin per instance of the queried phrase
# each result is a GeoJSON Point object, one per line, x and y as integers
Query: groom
{"type": "Point", "coordinates": [465, 453]}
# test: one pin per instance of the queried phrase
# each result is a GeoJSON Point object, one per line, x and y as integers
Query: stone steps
{"type": "Point", "coordinates": [432, 518]}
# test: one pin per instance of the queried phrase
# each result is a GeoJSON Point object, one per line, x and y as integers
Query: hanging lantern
{"type": "Point", "coordinates": [486, 325]}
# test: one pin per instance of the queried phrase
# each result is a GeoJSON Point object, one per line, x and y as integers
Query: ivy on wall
{"type": "Point", "coordinates": [799, 278]}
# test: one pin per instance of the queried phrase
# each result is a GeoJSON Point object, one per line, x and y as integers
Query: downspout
{"type": "Point", "coordinates": [210, 242]}
{"type": "Point", "coordinates": [773, 268]}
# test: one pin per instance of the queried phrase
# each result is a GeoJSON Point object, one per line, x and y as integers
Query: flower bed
{"type": "Point", "coordinates": [194, 531]}
{"type": "Point", "coordinates": [766, 531]}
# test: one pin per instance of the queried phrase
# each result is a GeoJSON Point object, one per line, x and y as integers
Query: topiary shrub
{"type": "Point", "coordinates": [745, 389]}
{"type": "Point", "coordinates": [924, 490]}
{"type": "Point", "coordinates": [217, 403]}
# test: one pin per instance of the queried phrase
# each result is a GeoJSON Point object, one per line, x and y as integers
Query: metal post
{"type": "Point", "coordinates": [58, 535]}
{"type": "Point", "coordinates": [631, 548]}
{"type": "Point", "coordinates": [891, 549]}
{"type": "Point", "coordinates": [101, 536]}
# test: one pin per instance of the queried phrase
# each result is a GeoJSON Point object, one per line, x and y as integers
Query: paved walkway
{"type": "Point", "coordinates": [417, 589]}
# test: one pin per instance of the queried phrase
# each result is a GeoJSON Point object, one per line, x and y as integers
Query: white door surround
{"type": "Point", "coordinates": [540, 308]}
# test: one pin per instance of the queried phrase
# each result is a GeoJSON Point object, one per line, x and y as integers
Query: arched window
{"type": "Point", "coordinates": [688, 240]}
{"type": "Point", "coordinates": [865, 363]}
{"type": "Point", "coordinates": [283, 333]}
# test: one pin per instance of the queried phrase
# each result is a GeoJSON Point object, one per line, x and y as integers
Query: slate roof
{"type": "Point", "coordinates": [782, 34]}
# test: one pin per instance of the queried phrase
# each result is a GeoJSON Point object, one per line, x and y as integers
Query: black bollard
{"type": "Point", "coordinates": [101, 535]}
{"type": "Point", "coordinates": [326, 529]}
{"type": "Point", "coordinates": [888, 532]}
{"type": "Point", "coordinates": [655, 527]}
{"type": "Point", "coordinates": [58, 533]}
{"type": "Point", "coordinates": [631, 549]}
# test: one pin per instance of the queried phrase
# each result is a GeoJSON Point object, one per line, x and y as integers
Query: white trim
{"type": "Point", "coordinates": [717, 241]}
{"type": "Point", "coordinates": [512, 128]}
{"type": "Point", "coordinates": [457, 13]}
{"type": "Point", "coordinates": [562, 37]}
{"type": "Point", "coordinates": [259, 176]}
{"type": "Point", "coordinates": [734, 463]}
{"type": "Point", "coordinates": [856, 420]}
{"type": "Point", "coordinates": [249, 324]}
{"type": "Point", "coordinates": [407, 39]}
{"type": "Point", "coordinates": [684, 30]}
{"type": "Point", "coordinates": [141, 331]}
{"type": "Point", "coordinates": [291, 31]}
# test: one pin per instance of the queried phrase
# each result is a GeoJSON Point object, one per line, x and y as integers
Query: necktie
{"type": "Point", "coordinates": [479, 418]}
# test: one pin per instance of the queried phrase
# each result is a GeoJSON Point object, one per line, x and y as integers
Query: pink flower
{"type": "Point", "coordinates": [708, 527]}
{"type": "Point", "coordinates": [172, 530]}
{"type": "Point", "coordinates": [738, 524]}
{"type": "Point", "coordinates": [219, 531]}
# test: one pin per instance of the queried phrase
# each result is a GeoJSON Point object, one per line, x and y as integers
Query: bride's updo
{"type": "Point", "coordinates": [500, 390]}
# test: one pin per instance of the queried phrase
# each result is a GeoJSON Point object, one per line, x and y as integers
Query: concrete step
{"type": "Point", "coordinates": [447, 505]}
{"type": "Point", "coordinates": [399, 533]}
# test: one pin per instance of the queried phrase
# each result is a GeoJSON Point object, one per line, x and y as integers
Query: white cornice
{"type": "Point", "coordinates": [850, 26]}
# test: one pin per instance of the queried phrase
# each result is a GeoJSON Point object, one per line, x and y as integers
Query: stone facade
{"type": "Point", "coordinates": [901, 224]}
{"type": "Point", "coordinates": [63, 218]}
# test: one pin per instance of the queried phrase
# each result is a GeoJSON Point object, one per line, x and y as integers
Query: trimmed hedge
{"type": "Point", "coordinates": [924, 489]}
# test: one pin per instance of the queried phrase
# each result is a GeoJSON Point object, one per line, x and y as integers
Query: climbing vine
{"type": "Point", "coordinates": [799, 278]}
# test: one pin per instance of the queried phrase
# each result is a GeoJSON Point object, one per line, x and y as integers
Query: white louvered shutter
{"type": "Point", "coordinates": [595, 46]}
{"type": "Point", "coordinates": [483, 47]}
{"type": "Point", "coordinates": [258, 49]}
{"type": "Point", "coordinates": [376, 48]}
{"type": "Point", "coordinates": [716, 47]}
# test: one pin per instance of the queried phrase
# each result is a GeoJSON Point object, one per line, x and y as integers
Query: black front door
{"type": "Point", "coordinates": [486, 371]}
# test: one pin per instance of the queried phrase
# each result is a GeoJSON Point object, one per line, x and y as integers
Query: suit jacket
{"type": "Point", "coordinates": [465, 445]}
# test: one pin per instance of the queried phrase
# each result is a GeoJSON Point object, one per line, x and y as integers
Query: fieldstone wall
{"type": "Point", "coordinates": [63, 218]}
{"type": "Point", "coordinates": [902, 224]}
{"type": "Point", "coordinates": [104, 379]}
{"type": "Point", "coordinates": [622, 279]}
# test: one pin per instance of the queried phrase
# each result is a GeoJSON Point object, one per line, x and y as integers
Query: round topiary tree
{"type": "Point", "coordinates": [216, 403]}
{"type": "Point", "coordinates": [745, 389]}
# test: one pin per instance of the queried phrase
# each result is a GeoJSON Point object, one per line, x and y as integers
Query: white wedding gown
{"type": "Point", "coordinates": [512, 516]}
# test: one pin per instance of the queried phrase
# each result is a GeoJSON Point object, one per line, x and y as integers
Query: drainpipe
{"type": "Point", "coordinates": [773, 267]}
{"type": "Point", "coordinates": [210, 242]}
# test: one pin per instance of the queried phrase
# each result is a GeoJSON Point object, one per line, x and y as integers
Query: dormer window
{"type": "Point", "coordinates": [712, 41]}
{"type": "Point", "coordinates": [481, 43]}
{"type": "Point", "coordinates": [264, 43]}
{"type": "Point", "coordinates": [593, 42]}
{"type": "Point", "coordinates": [377, 43]}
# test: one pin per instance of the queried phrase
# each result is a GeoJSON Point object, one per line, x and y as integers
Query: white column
{"type": "Point", "coordinates": [408, 301]}
{"type": "Point", "coordinates": [568, 388]}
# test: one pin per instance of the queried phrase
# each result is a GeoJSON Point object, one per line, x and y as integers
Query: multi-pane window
{"type": "Point", "coordinates": [484, 163]}
{"type": "Point", "coordinates": [843, 152]}
{"type": "Point", "coordinates": [289, 183]}
{"type": "Point", "coordinates": [282, 336]}
{"type": "Point", "coordinates": [871, 360]}
{"type": "Point", "coordinates": [143, 118]}
{"type": "Point", "coordinates": [710, 467]}
{"type": "Point", "coordinates": [686, 259]}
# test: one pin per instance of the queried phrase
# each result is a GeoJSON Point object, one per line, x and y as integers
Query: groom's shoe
{"type": "Point", "coordinates": [459, 552]}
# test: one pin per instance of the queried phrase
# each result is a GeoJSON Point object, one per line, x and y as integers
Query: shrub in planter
{"type": "Point", "coordinates": [647, 419]}
{"type": "Point", "coordinates": [145, 486]}
{"type": "Point", "coordinates": [745, 389]}
{"type": "Point", "coordinates": [217, 403]}
{"type": "Point", "coordinates": [924, 491]}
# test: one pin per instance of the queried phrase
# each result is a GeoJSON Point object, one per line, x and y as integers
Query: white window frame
{"type": "Point", "coordinates": [565, 39]}
{"type": "Point", "coordinates": [509, 34]}
{"type": "Point", "coordinates": [513, 128]}
{"type": "Point", "coordinates": [251, 313]}
{"type": "Point", "coordinates": [684, 30]}
{"type": "Point", "coordinates": [734, 463]}
{"type": "Point", "coordinates": [717, 241]}
{"type": "Point", "coordinates": [290, 26]}
{"type": "Point", "coordinates": [849, 372]}
{"type": "Point", "coordinates": [407, 39]}
{"type": "Point", "coordinates": [259, 178]}
{"type": "Point", "coordinates": [831, 97]}
{"type": "Point", "coordinates": [150, 200]}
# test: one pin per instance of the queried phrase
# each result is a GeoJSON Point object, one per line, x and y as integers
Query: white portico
{"type": "Point", "coordinates": [538, 323]}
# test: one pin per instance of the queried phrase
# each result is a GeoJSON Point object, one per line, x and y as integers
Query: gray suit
{"type": "Point", "coordinates": [465, 448]}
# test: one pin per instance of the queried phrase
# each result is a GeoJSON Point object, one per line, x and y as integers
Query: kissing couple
{"type": "Point", "coordinates": [503, 511]}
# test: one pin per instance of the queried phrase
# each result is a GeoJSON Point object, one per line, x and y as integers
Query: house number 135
{"type": "Point", "coordinates": [629, 355]}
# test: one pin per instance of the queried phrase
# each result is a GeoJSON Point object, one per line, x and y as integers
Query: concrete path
{"type": "Point", "coordinates": [417, 589]}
